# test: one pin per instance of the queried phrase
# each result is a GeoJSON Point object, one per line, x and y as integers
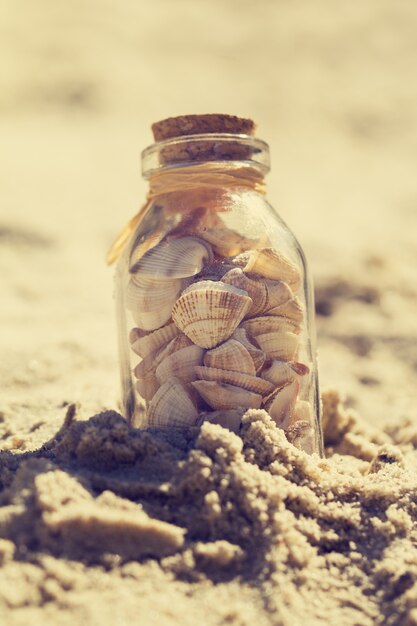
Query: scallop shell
{"type": "Point", "coordinates": [181, 364]}
{"type": "Point", "coordinates": [281, 403]}
{"type": "Point", "coordinates": [278, 345]}
{"type": "Point", "coordinates": [258, 356]}
{"type": "Point", "coordinates": [153, 341]}
{"type": "Point", "coordinates": [172, 406]}
{"type": "Point", "coordinates": [226, 242]}
{"type": "Point", "coordinates": [269, 324]}
{"type": "Point", "coordinates": [145, 371]}
{"type": "Point", "coordinates": [208, 312]}
{"type": "Point", "coordinates": [147, 386]}
{"type": "Point", "coordinates": [174, 259]}
{"type": "Point", "coordinates": [270, 263]}
{"type": "Point", "coordinates": [222, 396]}
{"type": "Point", "coordinates": [151, 301]}
{"type": "Point", "coordinates": [265, 294]}
{"type": "Point", "coordinates": [228, 419]}
{"type": "Point", "coordinates": [230, 355]}
{"type": "Point", "coordinates": [291, 309]}
{"type": "Point", "coordinates": [245, 381]}
{"type": "Point", "coordinates": [281, 372]}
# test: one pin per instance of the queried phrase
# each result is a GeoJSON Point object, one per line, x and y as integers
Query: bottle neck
{"type": "Point", "coordinates": [226, 176]}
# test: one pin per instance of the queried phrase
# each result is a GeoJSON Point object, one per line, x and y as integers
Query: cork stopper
{"type": "Point", "coordinates": [201, 124]}
{"type": "Point", "coordinates": [196, 150]}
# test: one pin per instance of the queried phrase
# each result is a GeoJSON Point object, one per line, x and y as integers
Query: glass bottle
{"type": "Point", "coordinates": [214, 301]}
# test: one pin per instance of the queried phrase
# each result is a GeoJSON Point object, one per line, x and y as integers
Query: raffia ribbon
{"type": "Point", "coordinates": [203, 176]}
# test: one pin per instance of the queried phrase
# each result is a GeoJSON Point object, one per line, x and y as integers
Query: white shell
{"type": "Point", "coordinates": [181, 364]}
{"type": "Point", "coordinates": [245, 381]}
{"type": "Point", "coordinates": [258, 356]}
{"type": "Point", "coordinates": [230, 355]}
{"type": "Point", "coordinates": [265, 294]}
{"type": "Point", "coordinates": [221, 396]}
{"type": "Point", "coordinates": [281, 403]}
{"type": "Point", "coordinates": [270, 263]}
{"type": "Point", "coordinates": [278, 345]}
{"type": "Point", "coordinates": [151, 301]}
{"type": "Point", "coordinates": [268, 324]}
{"type": "Point", "coordinates": [172, 406]}
{"type": "Point", "coordinates": [153, 341]}
{"type": "Point", "coordinates": [281, 372]}
{"type": "Point", "coordinates": [208, 312]}
{"type": "Point", "coordinates": [291, 309]}
{"type": "Point", "coordinates": [230, 419]}
{"type": "Point", "coordinates": [226, 242]}
{"type": "Point", "coordinates": [301, 435]}
{"type": "Point", "coordinates": [174, 259]}
{"type": "Point", "coordinates": [147, 386]}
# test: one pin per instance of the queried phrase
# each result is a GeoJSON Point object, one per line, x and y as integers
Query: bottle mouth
{"type": "Point", "coordinates": [211, 147]}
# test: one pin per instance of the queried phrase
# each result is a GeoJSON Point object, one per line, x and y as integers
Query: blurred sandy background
{"type": "Point", "coordinates": [332, 86]}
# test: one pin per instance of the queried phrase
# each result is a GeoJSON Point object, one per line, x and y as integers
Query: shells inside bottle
{"type": "Point", "coordinates": [214, 300]}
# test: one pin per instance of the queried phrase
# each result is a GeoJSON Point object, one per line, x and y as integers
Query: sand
{"type": "Point", "coordinates": [101, 524]}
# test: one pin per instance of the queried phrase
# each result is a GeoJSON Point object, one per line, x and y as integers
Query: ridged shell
{"type": "Point", "coordinates": [269, 324]}
{"type": "Point", "coordinates": [181, 364]}
{"type": "Point", "coordinates": [221, 396]}
{"type": "Point", "coordinates": [172, 406]}
{"type": "Point", "coordinates": [265, 294]}
{"type": "Point", "coordinates": [245, 381]}
{"type": "Point", "coordinates": [145, 371]}
{"type": "Point", "coordinates": [232, 356]}
{"type": "Point", "coordinates": [280, 346]}
{"type": "Point", "coordinates": [147, 386]}
{"type": "Point", "coordinates": [226, 242]}
{"type": "Point", "coordinates": [151, 301]}
{"type": "Point", "coordinates": [208, 312]}
{"type": "Point", "coordinates": [258, 356]}
{"type": "Point", "coordinates": [216, 270]}
{"type": "Point", "coordinates": [270, 263]}
{"type": "Point", "coordinates": [228, 419]}
{"type": "Point", "coordinates": [281, 372]}
{"type": "Point", "coordinates": [291, 309]}
{"type": "Point", "coordinates": [153, 341]}
{"type": "Point", "coordinates": [281, 403]}
{"type": "Point", "coordinates": [174, 259]}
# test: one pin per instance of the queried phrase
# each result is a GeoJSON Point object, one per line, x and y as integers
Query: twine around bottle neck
{"type": "Point", "coordinates": [171, 182]}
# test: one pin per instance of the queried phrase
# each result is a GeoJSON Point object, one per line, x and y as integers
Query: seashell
{"type": "Point", "coordinates": [301, 435]}
{"type": "Point", "coordinates": [245, 381]}
{"type": "Point", "coordinates": [180, 364]}
{"type": "Point", "coordinates": [147, 386]}
{"type": "Point", "coordinates": [226, 242]}
{"type": "Point", "coordinates": [291, 309]}
{"type": "Point", "coordinates": [265, 294]}
{"type": "Point", "coordinates": [222, 396]}
{"type": "Point", "coordinates": [281, 403]}
{"type": "Point", "coordinates": [278, 345]}
{"type": "Point", "coordinates": [216, 270]}
{"type": "Point", "coordinates": [172, 406]}
{"type": "Point", "coordinates": [258, 356]}
{"type": "Point", "coordinates": [231, 355]}
{"type": "Point", "coordinates": [151, 301]}
{"type": "Point", "coordinates": [228, 419]}
{"type": "Point", "coordinates": [281, 372]}
{"type": "Point", "coordinates": [208, 312]}
{"type": "Point", "coordinates": [174, 259]}
{"type": "Point", "coordinates": [270, 263]}
{"type": "Point", "coordinates": [150, 342]}
{"type": "Point", "coordinates": [303, 412]}
{"type": "Point", "coordinates": [269, 324]}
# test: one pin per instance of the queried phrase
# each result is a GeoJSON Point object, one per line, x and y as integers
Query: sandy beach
{"type": "Point", "coordinates": [104, 524]}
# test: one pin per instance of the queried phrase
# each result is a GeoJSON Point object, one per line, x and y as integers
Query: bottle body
{"type": "Point", "coordinates": [215, 309]}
